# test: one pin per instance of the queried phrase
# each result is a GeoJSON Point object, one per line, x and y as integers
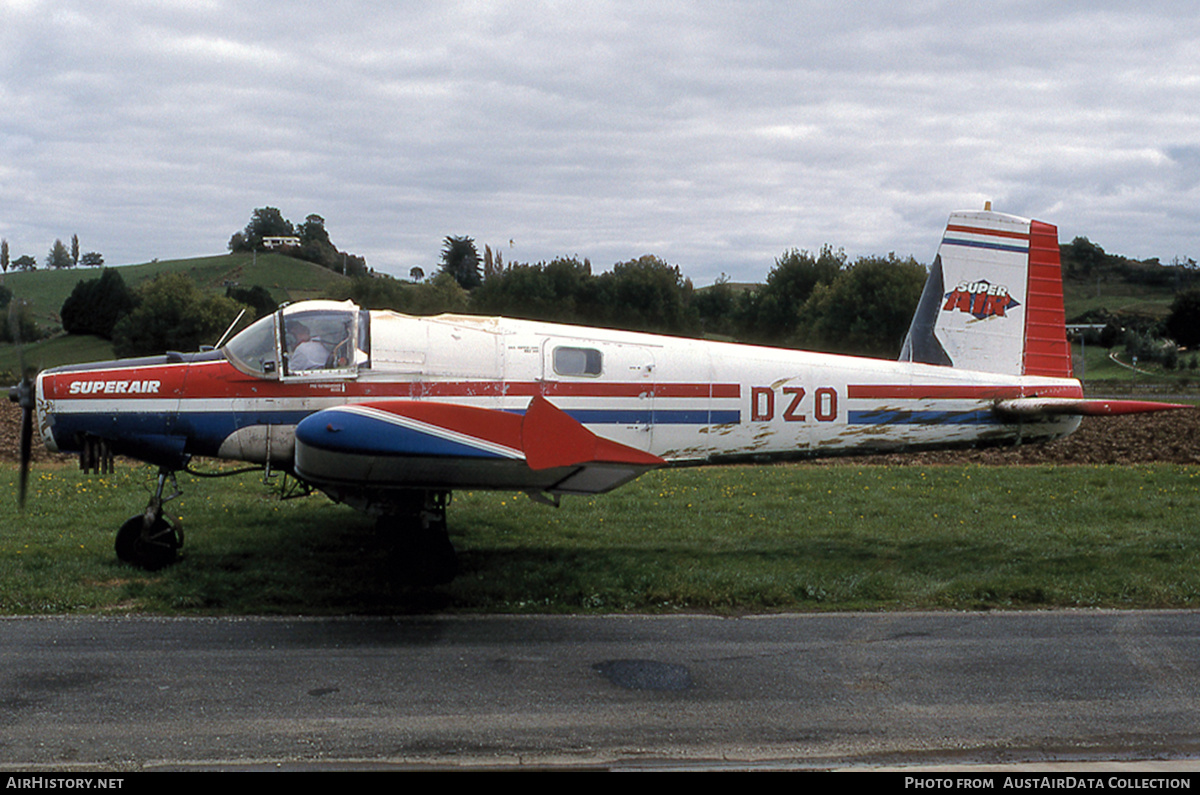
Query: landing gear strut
{"type": "Point", "coordinates": [415, 532]}
{"type": "Point", "coordinates": [151, 540]}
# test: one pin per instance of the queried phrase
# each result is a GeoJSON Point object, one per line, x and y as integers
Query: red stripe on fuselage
{"type": "Point", "coordinates": [215, 380]}
{"type": "Point", "coordinates": [154, 382]}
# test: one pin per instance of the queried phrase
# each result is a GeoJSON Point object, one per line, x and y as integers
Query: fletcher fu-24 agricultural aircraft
{"type": "Point", "coordinates": [390, 413]}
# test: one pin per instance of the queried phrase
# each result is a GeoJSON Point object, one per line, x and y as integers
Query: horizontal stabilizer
{"type": "Point", "coordinates": [1081, 407]}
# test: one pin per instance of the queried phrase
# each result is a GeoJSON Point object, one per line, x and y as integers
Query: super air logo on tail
{"type": "Point", "coordinates": [974, 310]}
{"type": "Point", "coordinates": [980, 299]}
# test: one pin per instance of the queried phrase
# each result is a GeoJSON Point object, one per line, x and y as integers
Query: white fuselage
{"type": "Point", "coordinates": [689, 400]}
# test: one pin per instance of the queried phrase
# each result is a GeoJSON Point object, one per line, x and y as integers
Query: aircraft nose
{"type": "Point", "coordinates": [45, 414]}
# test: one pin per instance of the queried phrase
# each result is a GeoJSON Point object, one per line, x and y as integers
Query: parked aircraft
{"type": "Point", "coordinates": [390, 413]}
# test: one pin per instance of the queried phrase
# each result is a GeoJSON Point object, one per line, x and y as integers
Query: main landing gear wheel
{"type": "Point", "coordinates": [148, 547]}
{"type": "Point", "coordinates": [418, 540]}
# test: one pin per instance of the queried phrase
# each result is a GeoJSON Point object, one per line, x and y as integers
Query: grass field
{"type": "Point", "coordinates": [726, 539]}
{"type": "Point", "coordinates": [1118, 297]}
{"type": "Point", "coordinates": [63, 349]}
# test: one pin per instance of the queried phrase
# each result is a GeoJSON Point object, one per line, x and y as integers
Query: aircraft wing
{"type": "Point", "coordinates": [401, 444]}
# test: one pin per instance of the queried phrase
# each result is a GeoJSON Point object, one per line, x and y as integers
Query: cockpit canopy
{"type": "Point", "coordinates": [312, 340]}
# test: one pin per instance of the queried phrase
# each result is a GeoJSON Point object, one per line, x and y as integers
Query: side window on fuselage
{"type": "Point", "coordinates": [578, 361]}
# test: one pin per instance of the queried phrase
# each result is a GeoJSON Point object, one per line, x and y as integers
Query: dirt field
{"type": "Point", "coordinates": [1169, 436]}
{"type": "Point", "coordinates": [1164, 437]}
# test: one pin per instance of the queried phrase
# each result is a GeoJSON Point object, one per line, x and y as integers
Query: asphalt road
{"type": "Point", "coordinates": [796, 691]}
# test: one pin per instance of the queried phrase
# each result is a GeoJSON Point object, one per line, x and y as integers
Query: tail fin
{"type": "Point", "coordinates": [993, 300]}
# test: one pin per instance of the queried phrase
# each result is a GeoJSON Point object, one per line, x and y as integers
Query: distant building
{"type": "Point", "coordinates": [277, 242]}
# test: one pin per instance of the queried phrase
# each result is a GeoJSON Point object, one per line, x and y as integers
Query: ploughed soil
{"type": "Point", "coordinates": [1165, 436]}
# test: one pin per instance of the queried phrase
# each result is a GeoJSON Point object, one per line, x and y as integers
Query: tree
{"type": "Point", "coordinates": [268, 222]}
{"type": "Point", "coordinates": [92, 259]}
{"type": "Point", "coordinates": [17, 324]}
{"type": "Point", "coordinates": [74, 250]}
{"type": "Point", "coordinates": [770, 314]}
{"type": "Point", "coordinates": [441, 294]}
{"type": "Point", "coordinates": [313, 230]}
{"type": "Point", "coordinates": [25, 262]}
{"type": "Point", "coordinates": [4, 256]}
{"type": "Point", "coordinates": [172, 314]}
{"type": "Point", "coordinates": [377, 293]}
{"type": "Point", "coordinates": [315, 245]}
{"type": "Point", "coordinates": [460, 259]}
{"type": "Point", "coordinates": [1183, 324]}
{"type": "Point", "coordinates": [716, 306]}
{"type": "Point", "coordinates": [257, 298]}
{"type": "Point", "coordinates": [416, 274]}
{"type": "Point", "coordinates": [865, 311]}
{"type": "Point", "coordinates": [96, 305]}
{"type": "Point", "coordinates": [58, 257]}
{"type": "Point", "coordinates": [562, 290]}
{"type": "Point", "coordinates": [1083, 258]}
{"type": "Point", "coordinates": [264, 222]}
{"type": "Point", "coordinates": [647, 294]}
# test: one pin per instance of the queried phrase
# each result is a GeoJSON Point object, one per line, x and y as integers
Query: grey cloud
{"type": "Point", "coordinates": [715, 136]}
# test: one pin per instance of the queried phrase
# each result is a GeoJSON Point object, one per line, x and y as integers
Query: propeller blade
{"type": "Point", "coordinates": [26, 400]}
{"type": "Point", "coordinates": [23, 395]}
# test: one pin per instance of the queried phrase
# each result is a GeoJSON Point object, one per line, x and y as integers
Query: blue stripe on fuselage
{"type": "Point", "coordinates": [897, 417]}
{"type": "Point", "coordinates": [206, 430]}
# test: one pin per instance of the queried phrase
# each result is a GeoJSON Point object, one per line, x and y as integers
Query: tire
{"type": "Point", "coordinates": [151, 550]}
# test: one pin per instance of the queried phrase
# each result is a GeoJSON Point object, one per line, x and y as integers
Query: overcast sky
{"type": "Point", "coordinates": [714, 135]}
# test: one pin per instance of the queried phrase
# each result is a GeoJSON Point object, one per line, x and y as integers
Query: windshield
{"type": "Point", "coordinates": [253, 349]}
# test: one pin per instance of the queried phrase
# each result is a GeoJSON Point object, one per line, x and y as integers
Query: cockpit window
{"type": "Point", "coordinates": [253, 349]}
{"type": "Point", "coordinates": [321, 340]}
{"type": "Point", "coordinates": [327, 340]}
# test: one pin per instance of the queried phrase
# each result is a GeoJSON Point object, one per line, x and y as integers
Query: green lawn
{"type": "Point", "coordinates": [726, 539]}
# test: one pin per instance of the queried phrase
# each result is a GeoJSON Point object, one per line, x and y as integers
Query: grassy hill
{"type": "Point", "coordinates": [287, 279]}
{"type": "Point", "coordinates": [1117, 297]}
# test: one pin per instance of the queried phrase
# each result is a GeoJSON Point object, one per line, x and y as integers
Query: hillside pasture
{"type": "Point", "coordinates": [287, 279]}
